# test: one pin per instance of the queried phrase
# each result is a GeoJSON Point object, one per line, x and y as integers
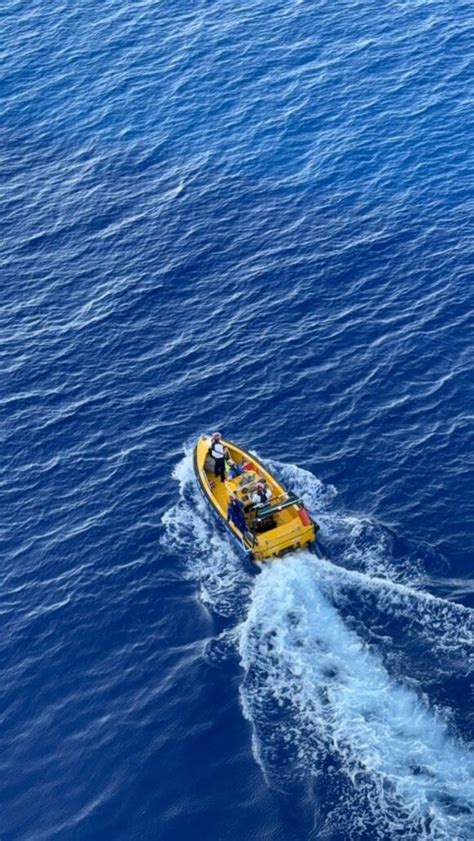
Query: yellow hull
{"type": "Point", "coordinates": [288, 527]}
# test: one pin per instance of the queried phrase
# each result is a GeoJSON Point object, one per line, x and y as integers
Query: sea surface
{"type": "Point", "coordinates": [258, 218]}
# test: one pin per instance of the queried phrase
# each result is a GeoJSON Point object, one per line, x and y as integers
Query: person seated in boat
{"type": "Point", "coordinates": [233, 469]}
{"type": "Point", "coordinates": [235, 512]}
{"type": "Point", "coordinates": [261, 494]}
{"type": "Point", "coordinates": [217, 451]}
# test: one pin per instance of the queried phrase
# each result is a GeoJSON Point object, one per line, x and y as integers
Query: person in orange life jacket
{"type": "Point", "coordinates": [235, 512]}
{"type": "Point", "coordinates": [218, 452]}
{"type": "Point", "coordinates": [261, 494]}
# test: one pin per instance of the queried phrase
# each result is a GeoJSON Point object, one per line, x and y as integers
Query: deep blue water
{"type": "Point", "coordinates": [253, 217]}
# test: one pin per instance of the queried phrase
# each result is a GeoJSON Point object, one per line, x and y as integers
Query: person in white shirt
{"type": "Point", "coordinates": [218, 453]}
{"type": "Point", "coordinates": [261, 494]}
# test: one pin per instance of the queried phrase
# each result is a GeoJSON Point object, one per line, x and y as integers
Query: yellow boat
{"type": "Point", "coordinates": [279, 525]}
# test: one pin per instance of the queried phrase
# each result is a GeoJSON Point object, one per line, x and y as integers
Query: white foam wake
{"type": "Point", "coordinates": [321, 698]}
{"type": "Point", "coordinates": [341, 707]}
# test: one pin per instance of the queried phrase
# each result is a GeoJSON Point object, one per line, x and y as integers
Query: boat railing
{"type": "Point", "coordinates": [275, 506]}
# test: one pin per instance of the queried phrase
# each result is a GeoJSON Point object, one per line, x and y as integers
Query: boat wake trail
{"type": "Point", "coordinates": [322, 702]}
{"type": "Point", "coordinates": [325, 687]}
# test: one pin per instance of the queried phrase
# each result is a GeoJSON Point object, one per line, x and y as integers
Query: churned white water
{"type": "Point", "coordinates": [326, 701]}
{"type": "Point", "coordinates": [298, 654]}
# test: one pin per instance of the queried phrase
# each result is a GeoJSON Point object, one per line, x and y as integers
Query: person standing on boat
{"type": "Point", "coordinates": [218, 452]}
{"type": "Point", "coordinates": [235, 512]}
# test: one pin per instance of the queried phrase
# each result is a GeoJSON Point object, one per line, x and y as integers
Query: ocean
{"type": "Point", "coordinates": [257, 218]}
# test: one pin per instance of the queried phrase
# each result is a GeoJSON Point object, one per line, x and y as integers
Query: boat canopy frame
{"type": "Point", "coordinates": [264, 511]}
